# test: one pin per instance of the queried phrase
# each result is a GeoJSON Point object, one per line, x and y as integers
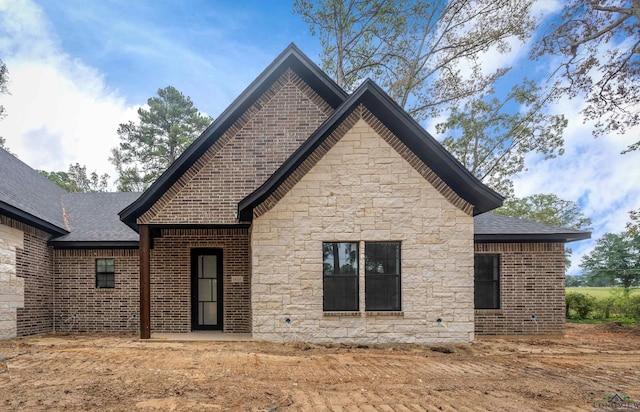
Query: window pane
{"type": "Point", "coordinates": [340, 258]}
{"type": "Point", "coordinates": [487, 295]}
{"type": "Point", "coordinates": [340, 293]}
{"type": "Point", "coordinates": [109, 265]}
{"type": "Point", "coordinates": [382, 276]}
{"type": "Point", "coordinates": [340, 276]}
{"type": "Point", "coordinates": [209, 266]}
{"type": "Point", "coordinates": [382, 258]}
{"type": "Point", "coordinates": [487, 281]}
{"type": "Point", "coordinates": [105, 280]}
{"type": "Point", "coordinates": [205, 290]}
{"type": "Point", "coordinates": [210, 313]}
{"type": "Point", "coordinates": [382, 292]}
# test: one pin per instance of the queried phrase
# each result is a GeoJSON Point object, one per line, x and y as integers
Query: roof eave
{"type": "Point", "coordinates": [93, 244]}
{"type": "Point", "coordinates": [31, 220]}
{"type": "Point", "coordinates": [531, 237]}
{"type": "Point", "coordinates": [290, 57]}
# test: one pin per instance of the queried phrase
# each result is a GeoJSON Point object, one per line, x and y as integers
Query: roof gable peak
{"type": "Point", "coordinates": [290, 58]}
{"type": "Point", "coordinates": [406, 129]}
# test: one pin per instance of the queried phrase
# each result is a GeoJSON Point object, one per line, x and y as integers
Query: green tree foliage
{"type": "Point", "coordinates": [425, 54]}
{"type": "Point", "coordinates": [428, 57]}
{"type": "Point", "coordinates": [164, 130]}
{"type": "Point", "coordinates": [633, 227]}
{"type": "Point", "coordinates": [599, 46]}
{"type": "Point", "coordinates": [575, 281]}
{"type": "Point", "coordinates": [548, 209]}
{"type": "Point", "coordinates": [616, 259]}
{"type": "Point", "coordinates": [492, 141]}
{"type": "Point", "coordinates": [77, 179]}
{"type": "Point", "coordinates": [4, 78]}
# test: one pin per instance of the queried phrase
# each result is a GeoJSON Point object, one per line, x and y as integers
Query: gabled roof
{"type": "Point", "coordinates": [405, 128]}
{"type": "Point", "coordinates": [491, 227]}
{"type": "Point", "coordinates": [94, 221]}
{"type": "Point", "coordinates": [29, 197]}
{"type": "Point", "coordinates": [292, 58]}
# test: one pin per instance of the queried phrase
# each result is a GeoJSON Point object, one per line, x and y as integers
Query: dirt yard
{"type": "Point", "coordinates": [121, 373]}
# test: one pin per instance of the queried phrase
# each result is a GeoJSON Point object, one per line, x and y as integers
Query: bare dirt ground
{"type": "Point", "coordinates": [122, 373]}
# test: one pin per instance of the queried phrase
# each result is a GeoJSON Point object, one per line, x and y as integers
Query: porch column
{"type": "Point", "coordinates": [145, 282]}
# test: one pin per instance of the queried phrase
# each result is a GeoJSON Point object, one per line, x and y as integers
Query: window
{"type": "Point", "coordinates": [340, 276]}
{"type": "Point", "coordinates": [382, 276]}
{"type": "Point", "coordinates": [487, 281]}
{"type": "Point", "coordinates": [105, 273]}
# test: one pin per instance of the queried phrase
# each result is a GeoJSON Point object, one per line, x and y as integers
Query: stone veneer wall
{"type": "Point", "coordinates": [531, 283]}
{"type": "Point", "coordinates": [34, 277]}
{"type": "Point", "coordinates": [171, 277]}
{"type": "Point", "coordinates": [362, 189]}
{"type": "Point", "coordinates": [81, 307]}
{"type": "Point", "coordinates": [11, 286]}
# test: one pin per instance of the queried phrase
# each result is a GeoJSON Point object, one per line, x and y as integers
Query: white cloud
{"type": "Point", "coordinates": [591, 172]}
{"type": "Point", "coordinates": [60, 111]}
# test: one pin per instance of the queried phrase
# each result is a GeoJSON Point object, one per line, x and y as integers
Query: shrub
{"type": "Point", "coordinates": [633, 307]}
{"type": "Point", "coordinates": [581, 304]}
{"type": "Point", "coordinates": [604, 308]}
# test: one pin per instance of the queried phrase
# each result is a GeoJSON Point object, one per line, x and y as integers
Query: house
{"type": "Point", "coordinates": [301, 212]}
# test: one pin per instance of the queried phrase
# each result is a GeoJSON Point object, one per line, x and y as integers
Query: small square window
{"type": "Point", "coordinates": [105, 273]}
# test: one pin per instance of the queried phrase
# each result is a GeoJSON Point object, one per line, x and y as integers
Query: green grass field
{"type": "Point", "coordinates": [599, 292]}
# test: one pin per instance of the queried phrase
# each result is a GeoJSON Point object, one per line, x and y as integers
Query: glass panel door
{"type": "Point", "coordinates": [206, 289]}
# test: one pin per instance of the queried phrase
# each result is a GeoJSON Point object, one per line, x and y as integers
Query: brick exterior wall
{"type": "Point", "coordinates": [171, 278]}
{"type": "Point", "coordinates": [34, 267]}
{"type": "Point", "coordinates": [363, 189]}
{"type": "Point", "coordinates": [531, 283]}
{"type": "Point", "coordinates": [81, 307]}
{"type": "Point", "coordinates": [244, 156]}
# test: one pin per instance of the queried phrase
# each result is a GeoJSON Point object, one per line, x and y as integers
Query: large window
{"type": "Point", "coordinates": [382, 276]}
{"type": "Point", "coordinates": [487, 281]}
{"type": "Point", "coordinates": [105, 273]}
{"type": "Point", "coordinates": [340, 276]}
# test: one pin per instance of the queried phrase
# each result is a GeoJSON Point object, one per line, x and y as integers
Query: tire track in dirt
{"type": "Point", "coordinates": [111, 373]}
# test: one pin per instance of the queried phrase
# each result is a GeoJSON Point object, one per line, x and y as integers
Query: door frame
{"type": "Point", "coordinates": [194, 288]}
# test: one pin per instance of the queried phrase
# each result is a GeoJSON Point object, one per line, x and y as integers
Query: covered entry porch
{"type": "Point", "coordinates": [194, 278]}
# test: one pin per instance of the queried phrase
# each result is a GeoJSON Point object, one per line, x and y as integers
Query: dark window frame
{"type": "Point", "coordinates": [387, 281]}
{"type": "Point", "coordinates": [492, 286]}
{"type": "Point", "coordinates": [105, 273]}
{"type": "Point", "coordinates": [334, 280]}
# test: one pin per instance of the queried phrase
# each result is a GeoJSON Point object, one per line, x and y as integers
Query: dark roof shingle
{"type": "Point", "coordinates": [493, 227]}
{"type": "Point", "coordinates": [28, 196]}
{"type": "Point", "coordinates": [93, 217]}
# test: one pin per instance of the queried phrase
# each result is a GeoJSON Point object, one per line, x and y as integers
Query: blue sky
{"type": "Point", "coordinates": [210, 50]}
{"type": "Point", "coordinates": [78, 68]}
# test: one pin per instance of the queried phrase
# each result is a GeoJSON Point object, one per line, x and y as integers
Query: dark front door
{"type": "Point", "coordinates": [206, 289]}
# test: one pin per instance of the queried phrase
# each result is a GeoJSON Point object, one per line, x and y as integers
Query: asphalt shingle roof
{"type": "Point", "coordinates": [22, 189]}
{"type": "Point", "coordinates": [491, 226]}
{"type": "Point", "coordinates": [93, 217]}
